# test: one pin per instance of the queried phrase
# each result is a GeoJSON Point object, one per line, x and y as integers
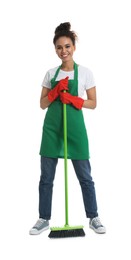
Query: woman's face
{"type": "Point", "coordinates": [64, 48]}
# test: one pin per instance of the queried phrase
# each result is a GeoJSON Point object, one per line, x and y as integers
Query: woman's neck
{"type": "Point", "coordinates": [68, 66]}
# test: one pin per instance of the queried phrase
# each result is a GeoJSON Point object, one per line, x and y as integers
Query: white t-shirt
{"type": "Point", "coordinates": [85, 78]}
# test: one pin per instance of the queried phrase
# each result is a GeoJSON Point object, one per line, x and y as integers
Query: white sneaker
{"type": "Point", "coordinates": [39, 227]}
{"type": "Point", "coordinates": [96, 225]}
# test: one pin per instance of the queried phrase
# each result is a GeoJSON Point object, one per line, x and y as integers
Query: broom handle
{"type": "Point", "coordinates": [65, 163]}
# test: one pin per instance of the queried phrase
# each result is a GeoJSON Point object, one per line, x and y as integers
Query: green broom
{"type": "Point", "coordinates": [66, 230]}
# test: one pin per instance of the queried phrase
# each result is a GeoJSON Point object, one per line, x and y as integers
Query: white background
{"type": "Point", "coordinates": [26, 53]}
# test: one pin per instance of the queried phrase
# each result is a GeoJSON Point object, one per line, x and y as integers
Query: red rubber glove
{"type": "Point", "coordinates": [54, 93]}
{"type": "Point", "coordinates": [67, 98]}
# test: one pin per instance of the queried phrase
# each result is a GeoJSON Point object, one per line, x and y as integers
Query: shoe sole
{"type": "Point", "coordinates": [37, 232]}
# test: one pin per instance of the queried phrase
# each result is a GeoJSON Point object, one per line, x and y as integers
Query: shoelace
{"type": "Point", "coordinates": [97, 222]}
{"type": "Point", "coordinates": [39, 222]}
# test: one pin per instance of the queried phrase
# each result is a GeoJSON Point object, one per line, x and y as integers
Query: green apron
{"type": "Point", "coordinates": [52, 143]}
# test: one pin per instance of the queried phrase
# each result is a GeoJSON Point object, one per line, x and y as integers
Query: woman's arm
{"type": "Point", "coordinates": [91, 98]}
{"type": "Point", "coordinates": [44, 101]}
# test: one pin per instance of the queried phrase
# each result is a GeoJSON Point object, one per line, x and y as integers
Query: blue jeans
{"type": "Point", "coordinates": [83, 172]}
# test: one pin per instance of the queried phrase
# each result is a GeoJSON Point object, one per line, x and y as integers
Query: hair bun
{"type": "Point", "coordinates": [64, 30]}
{"type": "Point", "coordinates": [63, 27]}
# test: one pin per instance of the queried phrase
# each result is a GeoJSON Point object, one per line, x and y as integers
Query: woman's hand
{"type": "Point", "coordinates": [55, 92]}
{"type": "Point", "coordinates": [67, 98]}
{"type": "Point", "coordinates": [78, 102]}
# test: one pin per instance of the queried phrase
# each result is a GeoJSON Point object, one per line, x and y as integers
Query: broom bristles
{"type": "Point", "coordinates": [67, 233]}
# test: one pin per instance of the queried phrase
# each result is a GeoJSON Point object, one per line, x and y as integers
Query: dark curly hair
{"type": "Point", "coordinates": [64, 29]}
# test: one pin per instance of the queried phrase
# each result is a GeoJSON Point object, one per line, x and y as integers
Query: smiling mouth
{"type": "Point", "coordinates": [64, 56]}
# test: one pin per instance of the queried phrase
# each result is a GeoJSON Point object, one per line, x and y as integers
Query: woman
{"type": "Point", "coordinates": [75, 79]}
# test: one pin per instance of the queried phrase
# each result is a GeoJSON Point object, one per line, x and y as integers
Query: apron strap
{"type": "Point", "coordinates": [75, 72]}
